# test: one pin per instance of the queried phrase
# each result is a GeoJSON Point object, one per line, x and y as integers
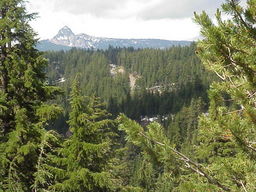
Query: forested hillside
{"type": "Point", "coordinates": [139, 83]}
{"type": "Point", "coordinates": [126, 120]}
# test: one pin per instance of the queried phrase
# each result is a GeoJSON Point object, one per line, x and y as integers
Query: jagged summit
{"type": "Point", "coordinates": [65, 28]}
{"type": "Point", "coordinates": [65, 31]}
{"type": "Point", "coordinates": [65, 37]}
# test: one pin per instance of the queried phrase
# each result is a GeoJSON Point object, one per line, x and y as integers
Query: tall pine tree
{"type": "Point", "coordinates": [84, 157]}
{"type": "Point", "coordinates": [23, 92]}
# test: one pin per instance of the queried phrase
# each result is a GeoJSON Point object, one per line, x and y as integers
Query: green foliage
{"type": "Point", "coordinates": [224, 149]}
{"type": "Point", "coordinates": [166, 80]}
{"type": "Point", "coordinates": [23, 93]}
{"type": "Point", "coordinates": [183, 126]}
{"type": "Point", "coordinates": [159, 161]}
{"type": "Point", "coordinates": [216, 153]}
{"type": "Point", "coordinates": [227, 134]}
{"type": "Point", "coordinates": [44, 176]}
{"type": "Point", "coordinates": [84, 157]}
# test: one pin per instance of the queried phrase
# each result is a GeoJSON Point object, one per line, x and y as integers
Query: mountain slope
{"type": "Point", "coordinates": [46, 45]}
{"type": "Point", "coordinates": [68, 39]}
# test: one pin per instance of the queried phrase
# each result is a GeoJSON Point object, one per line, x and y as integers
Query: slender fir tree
{"type": "Point", "coordinates": [23, 92]}
{"type": "Point", "coordinates": [85, 155]}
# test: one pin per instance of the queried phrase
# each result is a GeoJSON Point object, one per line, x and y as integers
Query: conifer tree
{"type": "Point", "coordinates": [23, 92]}
{"type": "Point", "coordinates": [227, 135]}
{"type": "Point", "coordinates": [85, 155]}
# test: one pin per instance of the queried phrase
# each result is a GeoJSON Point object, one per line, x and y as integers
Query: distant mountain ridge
{"type": "Point", "coordinates": [66, 39]}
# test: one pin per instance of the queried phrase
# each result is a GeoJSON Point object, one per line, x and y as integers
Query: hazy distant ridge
{"type": "Point", "coordinates": [66, 39]}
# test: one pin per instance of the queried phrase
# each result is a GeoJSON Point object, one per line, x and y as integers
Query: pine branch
{"type": "Point", "coordinates": [243, 186]}
{"type": "Point", "coordinates": [251, 147]}
{"type": "Point", "coordinates": [189, 163]}
{"type": "Point", "coordinates": [234, 6]}
{"type": "Point", "coordinates": [223, 78]}
{"type": "Point", "coordinates": [246, 144]}
{"type": "Point", "coordinates": [236, 111]}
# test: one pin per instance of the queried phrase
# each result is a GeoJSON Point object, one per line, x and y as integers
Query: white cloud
{"type": "Point", "coordinates": [144, 9]}
{"type": "Point", "coordinates": [164, 19]}
{"type": "Point", "coordinates": [99, 8]}
{"type": "Point", "coordinates": [179, 8]}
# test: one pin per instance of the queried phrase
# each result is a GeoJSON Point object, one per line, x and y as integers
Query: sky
{"type": "Point", "coordinates": [157, 19]}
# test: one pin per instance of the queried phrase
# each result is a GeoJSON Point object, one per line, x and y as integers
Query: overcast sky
{"type": "Point", "coordinates": [164, 19]}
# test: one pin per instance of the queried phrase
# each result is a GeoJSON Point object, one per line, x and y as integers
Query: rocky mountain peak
{"type": "Point", "coordinates": [66, 37]}
{"type": "Point", "coordinates": [65, 32]}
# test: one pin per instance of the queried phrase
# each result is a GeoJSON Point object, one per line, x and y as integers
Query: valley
{"type": "Point", "coordinates": [139, 83]}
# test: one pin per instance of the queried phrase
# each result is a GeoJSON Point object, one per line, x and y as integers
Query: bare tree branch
{"type": "Point", "coordinates": [243, 186]}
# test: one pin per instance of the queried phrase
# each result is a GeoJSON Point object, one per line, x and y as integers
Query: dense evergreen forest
{"type": "Point", "coordinates": [75, 123]}
{"type": "Point", "coordinates": [139, 83]}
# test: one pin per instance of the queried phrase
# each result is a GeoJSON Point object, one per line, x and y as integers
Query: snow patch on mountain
{"type": "Point", "coordinates": [66, 37]}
